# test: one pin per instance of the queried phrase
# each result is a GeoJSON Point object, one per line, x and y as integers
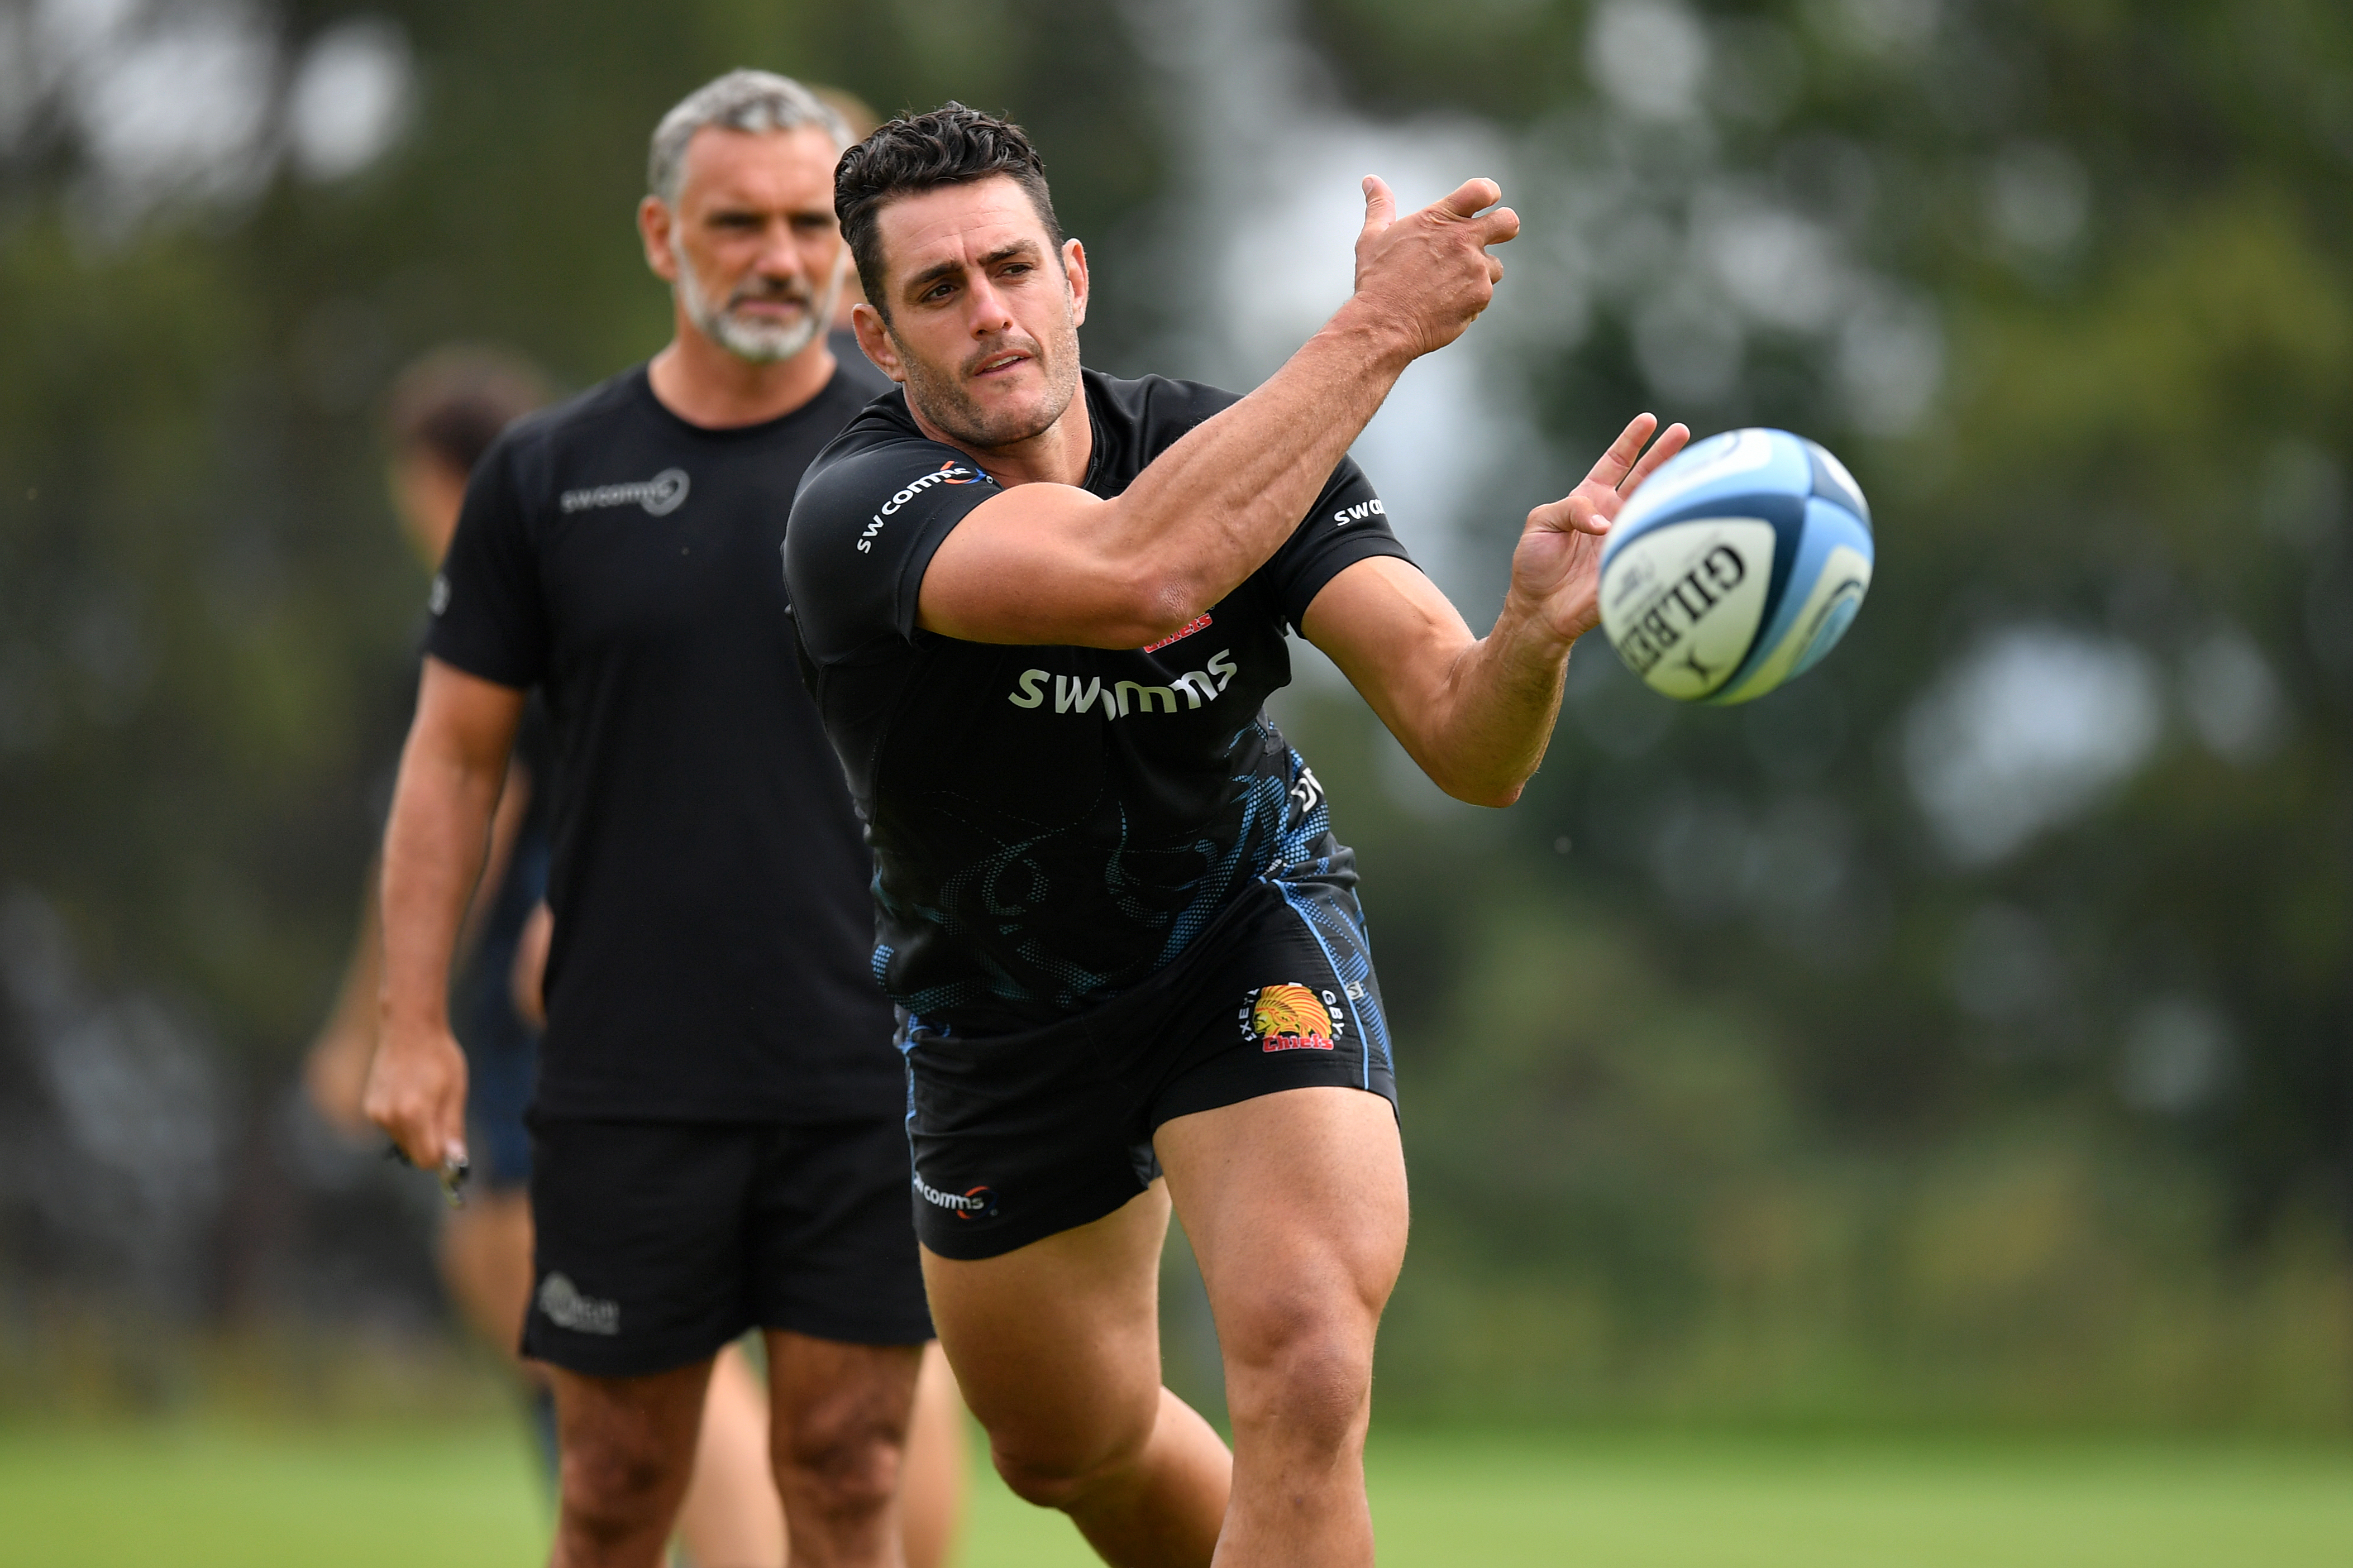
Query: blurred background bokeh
{"type": "Point", "coordinates": [1962, 1035]}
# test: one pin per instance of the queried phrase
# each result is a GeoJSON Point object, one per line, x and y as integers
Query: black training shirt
{"type": "Point", "coordinates": [712, 916]}
{"type": "Point", "coordinates": [1050, 824]}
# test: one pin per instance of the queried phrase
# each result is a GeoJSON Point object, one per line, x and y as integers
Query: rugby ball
{"type": "Point", "coordinates": [1737, 566]}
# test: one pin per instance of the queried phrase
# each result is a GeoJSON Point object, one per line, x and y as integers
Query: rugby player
{"type": "Point", "coordinates": [1041, 609]}
{"type": "Point", "coordinates": [716, 1127]}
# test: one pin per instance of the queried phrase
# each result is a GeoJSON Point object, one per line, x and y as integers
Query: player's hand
{"type": "Point", "coordinates": [416, 1092]}
{"type": "Point", "coordinates": [1556, 570]}
{"type": "Point", "coordinates": [1428, 275]}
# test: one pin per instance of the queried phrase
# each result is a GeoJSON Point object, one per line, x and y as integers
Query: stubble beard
{"type": "Point", "coordinates": [941, 396]}
{"type": "Point", "coordinates": [762, 342]}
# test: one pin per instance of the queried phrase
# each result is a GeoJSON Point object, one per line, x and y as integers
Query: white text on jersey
{"type": "Point", "coordinates": [1123, 698]}
{"type": "Point", "coordinates": [1358, 512]}
{"type": "Point", "coordinates": [947, 473]}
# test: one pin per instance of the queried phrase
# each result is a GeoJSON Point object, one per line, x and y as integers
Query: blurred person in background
{"type": "Point", "coordinates": [718, 1137]}
{"type": "Point", "coordinates": [443, 413]}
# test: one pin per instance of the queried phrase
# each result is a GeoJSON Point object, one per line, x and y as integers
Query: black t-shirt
{"type": "Point", "coordinates": [1050, 824]}
{"type": "Point", "coordinates": [711, 919]}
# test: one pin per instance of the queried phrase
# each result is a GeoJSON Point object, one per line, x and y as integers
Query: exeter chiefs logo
{"type": "Point", "coordinates": [1289, 1018]}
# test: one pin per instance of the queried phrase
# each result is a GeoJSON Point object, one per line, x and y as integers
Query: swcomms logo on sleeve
{"type": "Point", "coordinates": [660, 496]}
{"type": "Point", "coordinates": [948, 473]}
{"type": "Point", "coordinates": [1358, 512]}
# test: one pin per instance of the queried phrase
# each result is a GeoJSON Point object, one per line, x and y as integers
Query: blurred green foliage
{"type": "Point", "coordinates": [1736, 1081]}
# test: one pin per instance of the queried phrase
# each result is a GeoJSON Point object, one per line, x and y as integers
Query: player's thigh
{"type": "Point", "coordinates": [1055, 1345]}
{"type": "Point", "coordinates": [1295, 1206]}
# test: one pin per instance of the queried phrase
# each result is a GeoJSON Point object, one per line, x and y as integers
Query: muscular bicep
{"type": "Point", "coordinates": [1396, 638]}
{"type": "Point", "coordinates": [1040, 564]}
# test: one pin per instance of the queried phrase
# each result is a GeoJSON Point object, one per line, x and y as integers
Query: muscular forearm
{"type": "Point", "coordinates": [1486, 733]}
{"type": "Point", "coordinates": [1213, 508]}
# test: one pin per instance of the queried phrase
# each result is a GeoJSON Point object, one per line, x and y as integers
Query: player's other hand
{"type": "Point", "coordinates": [1556, 570]}
{"type": "Point", "coordinates": [1426, 276]}
{"type": "Point", "coordinates": [416, 1093]}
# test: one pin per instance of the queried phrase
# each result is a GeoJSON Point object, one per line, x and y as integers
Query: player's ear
{"type": "Point", "coordinates": [1074, 275]}
{"type": "Point", "coordinates": [875, 339]}
{"type": "Point", "coordinates": [654, 226]}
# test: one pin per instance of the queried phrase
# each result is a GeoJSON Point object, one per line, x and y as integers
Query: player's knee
{"type": "Point", "coordinates": [1061, 1478]}
{"type": "Point", "coordinates": [844, 1469]}
{"type": "Point", "coordinates": [1305, 1374]}
{"type": "Point", "coordinates": [614, 1490]}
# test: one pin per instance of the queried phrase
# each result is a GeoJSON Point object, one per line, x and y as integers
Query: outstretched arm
{"type": "Point", "coordinates": [1477, 712]}
{"type": "Point", "coordinates": [1046, 563]}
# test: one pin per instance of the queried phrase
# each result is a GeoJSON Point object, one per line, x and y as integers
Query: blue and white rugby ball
{"type": "Point", "coordinates": [1737, 566]}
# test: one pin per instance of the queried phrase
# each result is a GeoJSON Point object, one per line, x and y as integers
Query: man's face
{"type": "Point", "coordinates": [751, 248]}
{"type": "Point", "coordinates": [984, 326]}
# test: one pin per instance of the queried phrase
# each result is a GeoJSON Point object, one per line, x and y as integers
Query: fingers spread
{"type": "Point", "coordinates": [1665, 447]}
{"type": "Point", "coordinates": [1381, 207]}
{"type": "Point", "coordinates": [1617, 462]}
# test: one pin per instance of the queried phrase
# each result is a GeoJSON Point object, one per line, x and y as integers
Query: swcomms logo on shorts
{"type": "Point", "coordinates": [947, 473]}
{"type": "Point", "coordinates": [1358, 512]}
{"type": "Point", "coordinates": [1122, 698]}
{"type": "Point", "coordinates": [660, 496]}
{"type": "Point", "coordinates": [973, 1203]}
{"type": "Point", "coordinates": [560, 1303]}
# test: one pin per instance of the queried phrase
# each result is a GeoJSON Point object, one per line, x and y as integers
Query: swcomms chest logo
{"type": "Point", "coordinates": [947, 473]}
{"type": "Point", "coordinates": [660, 496]}
{"type": "Point", "coordinates": [1198, 688]}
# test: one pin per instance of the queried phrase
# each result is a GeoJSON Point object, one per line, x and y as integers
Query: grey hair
{"type": "Point", "coordinates": [740, 100]}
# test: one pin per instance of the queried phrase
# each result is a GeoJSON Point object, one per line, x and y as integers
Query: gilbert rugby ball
{"type": "Point", "coordinates": [1737, 566]}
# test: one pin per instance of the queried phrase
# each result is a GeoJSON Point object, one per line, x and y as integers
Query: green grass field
{"type": "Point", "coordinates": [210, 1496]}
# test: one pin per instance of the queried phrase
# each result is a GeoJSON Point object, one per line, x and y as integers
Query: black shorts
{"type": "Point", "coordinates": [1019, 1136]}
{"type": "Point", "coordinates": [659, 1242]}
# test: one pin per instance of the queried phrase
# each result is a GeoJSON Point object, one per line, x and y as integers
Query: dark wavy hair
{"type": "Point", "coordinates": [951, 145]}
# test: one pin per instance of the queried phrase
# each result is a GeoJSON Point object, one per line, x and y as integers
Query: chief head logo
{"type": "Point", "coordinates": [1289, 1018]}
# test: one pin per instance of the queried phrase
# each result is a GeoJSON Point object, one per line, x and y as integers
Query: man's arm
{"type": "Point", "coordinates": [1045, 563]}
{"type": "Point", "coordinates": [451, 774]}
{"type": "Point", "coordinates": [1477, 712]}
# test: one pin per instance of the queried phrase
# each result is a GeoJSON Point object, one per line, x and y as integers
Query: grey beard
{"type": "Point", "coordinates": [754, 341]}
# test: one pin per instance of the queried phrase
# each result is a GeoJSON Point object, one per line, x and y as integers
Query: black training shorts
{"type": "Point", "coordinates": [659, 1242]}
{"type": "Point", "coordinates": [1019, 1136]}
